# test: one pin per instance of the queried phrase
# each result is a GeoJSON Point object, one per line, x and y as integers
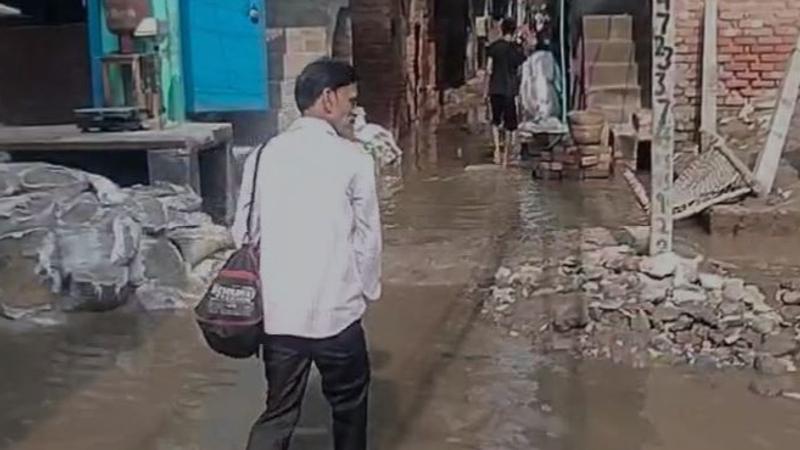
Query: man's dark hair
{"type": "Point", "coordinates": [509, 26]}
{"type": "Point", "coordinates": [322, 74]}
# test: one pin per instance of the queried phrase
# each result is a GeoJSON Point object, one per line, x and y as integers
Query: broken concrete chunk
{"type": "Point", "coordinates": [788, 297]}
{"type": "Point", "coordinates": [771, 365]}
{"type": "Point", "coordinates": [765, 324]}
{"type": "Point", "coordinates": [711, 282]}
{"type": "Point", "coordinates": [783, 344]}
{"type": "Point", "coordinates": [502, 277]}
{"type": "Point", "coordinates": [570, 314]}
{"type": "Point", "coordinates": [733, 290]}
{"type": "Point", "coordinates": [667, 313]}
{"type": "Point", "coordinates": [753, 296]}
{"type": "Point", "coordinates": [683, 296]}
{"type": "Point", "coordinates": [661, 266]}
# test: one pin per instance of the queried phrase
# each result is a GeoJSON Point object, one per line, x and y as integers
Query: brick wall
{"type": "Point", "coordinates": [289, 51]}
{"type": "Point", "coordinates": [420, 60]}
{"type": "Point", "coordinates": [755, 40]}
{"type": "Point", "coordinates": [378, 37]}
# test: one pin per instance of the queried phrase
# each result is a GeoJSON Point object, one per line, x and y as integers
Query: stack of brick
{"type": "Point", "coordinates": [289, 51]}
{"type": "Point", "coordinates": [574, 162]}
{"type": "Point", "coordinates": [755, 40]}
{"type": "Point", "coordinates": [611, 73]}
{"type": "Point", "coordinates": [549, 165]}
{"type": "Point", "coordinates": [591, 156]}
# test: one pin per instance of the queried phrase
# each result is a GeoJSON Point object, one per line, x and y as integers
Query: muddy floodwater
{"type": "Point", "coordinates": [444, 378]}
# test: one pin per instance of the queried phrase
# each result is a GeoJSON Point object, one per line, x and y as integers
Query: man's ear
{"type": "Point", "coordinates": [328, 99]}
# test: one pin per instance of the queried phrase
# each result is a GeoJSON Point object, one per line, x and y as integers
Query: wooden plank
{"type": "Point", "coordinates": [708, 115]}
{"type": "Point", "coordinates": [200, 136]}
{"type": "Point", "coordinates": [638, 190]}
{"type": "Point", "coordinates": [661, 223]}
{"type": "Point", "coordinates": [770, 157]}
{"type": "Point", "coordinates": [715, 139]}
{"type": "Point", "coordinates": [700, 207]}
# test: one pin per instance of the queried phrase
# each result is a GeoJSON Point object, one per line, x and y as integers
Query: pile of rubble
{"type": "Point", "coordinates": [75, 241]}
{"type": "Point", "coordinates": [610, 302]}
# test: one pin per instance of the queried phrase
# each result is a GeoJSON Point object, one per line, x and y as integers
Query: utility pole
{"type": "Point", "coordinates": [663, 148]}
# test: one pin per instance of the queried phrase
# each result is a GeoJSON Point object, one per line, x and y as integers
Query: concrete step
{"type": "Point", "coordinates": [602, 27]}
{"type": "Point", "coordinates": [612, 74]}
{"type": "Point", "coordinates": [623, 96]}
{"type": "Point", "coordinates": [609, 51]}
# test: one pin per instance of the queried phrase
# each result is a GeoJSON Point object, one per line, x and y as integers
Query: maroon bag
{"type": "Point", "coordinates": [231, 314]}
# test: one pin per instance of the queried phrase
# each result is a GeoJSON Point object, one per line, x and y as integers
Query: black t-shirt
{"type": "Point", "coordinates": [507, 57]}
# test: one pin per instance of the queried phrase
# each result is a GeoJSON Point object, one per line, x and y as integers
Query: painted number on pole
{"type": "Point", "coordinates": [664, 125]}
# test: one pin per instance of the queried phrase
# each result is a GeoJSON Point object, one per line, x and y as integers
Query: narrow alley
{"type": "Point", "coordinates": [628, 279]}
{"type": "Point", "coordinates": [445, 377]}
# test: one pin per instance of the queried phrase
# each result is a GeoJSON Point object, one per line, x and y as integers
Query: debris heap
{"type": "Point", "coordinates": [610, 302]}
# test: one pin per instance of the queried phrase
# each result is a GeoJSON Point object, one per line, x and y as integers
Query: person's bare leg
{"type": "Point", "coordinates": [496, 135]}
{"type": "Point", "coordinates": [508, 146]}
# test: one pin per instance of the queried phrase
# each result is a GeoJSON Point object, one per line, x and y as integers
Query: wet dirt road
{"type": "Point", "coordinates": [443, 377]}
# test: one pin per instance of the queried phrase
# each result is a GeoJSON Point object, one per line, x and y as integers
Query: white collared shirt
{"type": "Point", "coordinates": [318, 219]}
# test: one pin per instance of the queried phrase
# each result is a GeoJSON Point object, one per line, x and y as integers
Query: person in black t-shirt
{"type": "Point", "coordinates": [502, 87]}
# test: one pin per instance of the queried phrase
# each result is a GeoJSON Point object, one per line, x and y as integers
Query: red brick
{"type": "Point", "coordinates": [751, 23]}
{"type": "Point", "coordinates": [773, 57]}
{"type": "Point", "coordinates": [786, 31]}
{"type": "Point", "coordinates": [737, 66]}
{"type": "Point", "coordinates": [736, 83]}
{"type": "Point", "coordinates": [684, 31]}
{"type": "Point", "coordinates": [731, 15]}
{"type": "Point", "coordinates": [688, 57]}
{"type": "Point", "coordinates": [731, 49]}
{"type": "Point", "coordinates": [745, 57]}
{"type": "Point", "coordinates": [759, 32]}
{"type": "Point", "coordinates": [762, 67]}
{"type": "Point", "coordinates": [784, 48]}
{"type": "Point", "coordinates": [730, 32]}
{"type": "Point", "coordinates": [745, 40]}
{"type": "Point", "coordinates": [772, 75]}
{"type": "Point", "coordinates": [747, 75]}
{"type": "Point", "coordinates": [762, 49]}
{"type": "Point", "coordinates": [748, 92]}
{"type": "Point", "coordinates": [725, 75]}
{"type": "Point", "coordinates": [790, 40]}
{"type": "Point", "coordinates": [724, 58]}
{"type": "Point", "coordinates": [764, 84]}
{"type": "Point", "coordinates": [770, 40]}
{"type": "Point", "coordinates": [723, 41]}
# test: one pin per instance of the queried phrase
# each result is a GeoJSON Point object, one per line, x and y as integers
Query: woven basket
{"type": "Point", "coordinates": [587, 134]}
{"type": "Point", "coordinates": [589, 117]}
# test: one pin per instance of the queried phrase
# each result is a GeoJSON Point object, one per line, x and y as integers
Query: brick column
{"type": "Point", "coordinates": [290, 50]}
{"type": "Point", "coordinates": [376, 40]}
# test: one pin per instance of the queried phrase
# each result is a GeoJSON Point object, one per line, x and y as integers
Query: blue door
{"type": "Point", "coordinates": [224, 52]}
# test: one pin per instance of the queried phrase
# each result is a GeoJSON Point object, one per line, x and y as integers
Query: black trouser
{"type": "Point", "coordinates": [342, 361]}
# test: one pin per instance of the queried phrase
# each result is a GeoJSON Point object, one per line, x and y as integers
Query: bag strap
{"type": "Point", "coordinates": [248, 237]}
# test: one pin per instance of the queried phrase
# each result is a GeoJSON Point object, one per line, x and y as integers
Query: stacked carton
{"type": "Point", "coordinates": [610, 70]}
{"type": "Point", "coordinates": [289, 51]}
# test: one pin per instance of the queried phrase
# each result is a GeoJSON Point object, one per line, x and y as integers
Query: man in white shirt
{"type": "Point", "coordinates": [317, 217]}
